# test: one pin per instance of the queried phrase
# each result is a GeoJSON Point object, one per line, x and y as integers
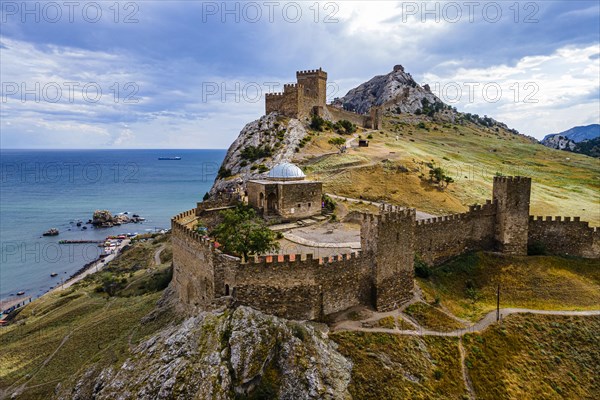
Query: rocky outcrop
{"type": "Point", "coordinates": [104, 219]}
{"type": "Point", "coordinates": [226, 356]}
{"type": "Point", "coordinates": [274, 139]}
{"type": "Point", "coordinates": [397, 91]}
{"type": "Point", "coordinates": [558, 142]}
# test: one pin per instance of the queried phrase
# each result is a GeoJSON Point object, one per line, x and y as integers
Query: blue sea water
{"type": "Point", "coordinates": [43, 189]}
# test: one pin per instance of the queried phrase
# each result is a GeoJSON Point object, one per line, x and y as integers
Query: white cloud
{"type": "Point", "coordinates": [538, 95]}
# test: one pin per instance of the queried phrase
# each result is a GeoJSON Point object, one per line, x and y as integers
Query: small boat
{"type": "Point", "coordinates": [53, 274]}
{"type": "Point", "coordinates": [170, 158]}
{"type": "Point", "coordinates": [21, 293]}
{"type": "Point", "coordinates": [51, 232]}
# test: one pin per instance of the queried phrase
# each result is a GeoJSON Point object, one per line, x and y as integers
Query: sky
{"type": "Point", "coordinates": [191, 74]}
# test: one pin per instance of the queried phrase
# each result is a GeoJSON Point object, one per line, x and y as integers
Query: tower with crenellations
{"type": "Point", "coordinates": [308, 96]}
{"type": "Point", "coordinates": [512, 194]}
{"type": "Point", "coordinates": [387, 240]}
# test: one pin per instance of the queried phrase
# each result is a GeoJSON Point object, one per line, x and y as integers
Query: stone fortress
{"type": "Point", "coordinates": [309, 96]}
{"type": "Point", "coordinates": [381, 274]}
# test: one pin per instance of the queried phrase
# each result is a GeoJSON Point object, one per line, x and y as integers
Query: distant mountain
{"type": "Point", "coordinates": [580, 139]}
{"type": "Point", "coordinates": [578, 134]}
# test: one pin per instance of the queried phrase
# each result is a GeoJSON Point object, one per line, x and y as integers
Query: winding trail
{"type": "Point", "coordinates": [465, 372]}
{"type": "Point", "coordinates": [482, 324]}
{"type": "Point", "coordinates": [157, 255]}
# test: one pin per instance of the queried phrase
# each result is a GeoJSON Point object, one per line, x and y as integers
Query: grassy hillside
{"type": "Point", "coordinates": [467, 285]}
{"type": "Point", "coordinates": [536, 357]}
{"type": "Point", "coordinates": [526, 357]}
{"type": "Point", "coordinates": [60, 335]}
{"type": "Point", "coordinates": [390, 168]}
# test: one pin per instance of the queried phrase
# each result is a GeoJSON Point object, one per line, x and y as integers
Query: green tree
{"type": "Point", "coordinates": [337, 141]}
{"type": "Point", "coordinates": [243, 233]}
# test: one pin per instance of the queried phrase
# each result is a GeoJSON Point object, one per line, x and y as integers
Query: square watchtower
{"type": "Point", "coordinates": [315, 85]}
{"type": "Point", "coordinates": [512, 195]}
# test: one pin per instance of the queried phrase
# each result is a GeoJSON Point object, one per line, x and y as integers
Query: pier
{"type": "Point", "coordinates": [79, 241]}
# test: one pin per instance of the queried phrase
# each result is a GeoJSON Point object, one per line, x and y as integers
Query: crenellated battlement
{"type": "Point", "coordinates": [179, 227]}
{"type": "Point", "coordinates": [557, 218]}
{"type": "Point", "coordinates": [512, 179]}
{"type": "Point", "coordinates": [475, 210]}
{"type": "Point", "coordinates": [274, 95]}
{"type": "Point", "coordinates": [318, 72]}
{"type": "Point", "coordinates": [297, 261]}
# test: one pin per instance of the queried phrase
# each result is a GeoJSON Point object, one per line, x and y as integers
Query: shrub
{"type": "Point", "coordinates": [328, 203]}
{"type": "Point", "coordinates": [536, 249]}
{"type": "Point", "coordinates": [223, 173]}
{"type": "Point", "coordinates": [422, 270]}
{"type": "Point", "coordinates": [253, 153]}
{"type": "Point", "coordinates": [317, 123]}
{"type": "Point", "coordinates": [344, 127]}
{"type": "Point", "coordinates": [369, 136]}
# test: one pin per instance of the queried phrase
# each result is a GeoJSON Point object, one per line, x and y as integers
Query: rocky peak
{"type": "Point", "coordinates": [397, 91]}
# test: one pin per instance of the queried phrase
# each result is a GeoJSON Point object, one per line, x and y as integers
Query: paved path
{"type": "Point", "coordinates": [486, 321]}
{"type": "Point", "coordinates": [311, 243]}
{"type": "Point", "coordinates": [420, 214]}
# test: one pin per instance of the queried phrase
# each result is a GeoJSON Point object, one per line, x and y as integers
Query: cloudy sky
{"type": "Point", "coordinates": [170, 74]}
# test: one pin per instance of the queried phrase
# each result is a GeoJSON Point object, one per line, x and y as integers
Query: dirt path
{"type": "Point", "coordinates": [157, 255]}
{"type": "Point", "coordinates": [465, 372]}
{"type": "Point", "coordinates": [482, 324]}
{"type": "Point", "coordinates": [420, 214]}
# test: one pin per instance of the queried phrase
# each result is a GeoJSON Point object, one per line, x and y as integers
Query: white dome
{"type": "Point", "coordinates": [286, 171]}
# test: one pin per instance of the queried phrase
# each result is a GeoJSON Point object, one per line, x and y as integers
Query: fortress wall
{"type": "Point", "coordinates": [565, 236]}
{"type": "Point", "coordinates": [439, 239]}
{"type": "Point", "coordinates": [273, 102]}
{"type": "Point", "coordinates": [303, 288]}
{"type": "Point", "coordinates": [338, 114]}
{"type": "Point", "coordinates": [193, 274]}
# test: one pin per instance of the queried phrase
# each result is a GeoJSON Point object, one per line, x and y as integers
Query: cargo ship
{"type": "Point", "coordinates": [169, 158]}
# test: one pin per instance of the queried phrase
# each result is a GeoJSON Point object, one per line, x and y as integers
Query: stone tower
{"type": "Point", "coordinates": [388, 240]}
{"type": "Point", "coordinates": [512, 195]}
{"type": "Point", "coordinates": [315, 85]}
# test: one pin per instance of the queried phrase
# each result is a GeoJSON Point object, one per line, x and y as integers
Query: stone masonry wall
{"type": "Point", "coordinates": [389, 240]}
{"type": "Point", "coordinates": [439, 239]}
{"type": "Point", "coordinates": [193, 271]}
{"type": "Point", "coordinates": [564, 236]}
{"type": "Point", "coordinates": [304, 288]}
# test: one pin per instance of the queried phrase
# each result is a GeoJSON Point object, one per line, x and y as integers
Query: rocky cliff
{"type": "Point", "coordinates": [263, 143]}
{"type": "Point", "coordinates": [241, 353]}
{"type": "Point", "coordinates": [398, 88]}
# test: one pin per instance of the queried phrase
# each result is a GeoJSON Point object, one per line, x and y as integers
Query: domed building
{"type": "Point", "coordinates": [285, 194]}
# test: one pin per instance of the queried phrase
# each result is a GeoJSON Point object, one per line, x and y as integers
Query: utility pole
{"type": "Point", "coordinates": [498, 304]}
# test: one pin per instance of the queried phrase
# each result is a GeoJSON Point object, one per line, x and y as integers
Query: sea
{"type": "Point", "coordinates": [43, 189]}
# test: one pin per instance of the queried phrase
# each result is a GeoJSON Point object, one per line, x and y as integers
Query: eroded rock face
{"type": "Point", "coordinates": [281, 135]}
{"type": "Point", "coordinates": [559, 142]}
{"type": "Point", "coordinates": [219, 356]}
{"type": "Point", "coordinates": [397, 90]}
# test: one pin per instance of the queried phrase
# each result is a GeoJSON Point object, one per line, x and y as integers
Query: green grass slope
{"type": "Point", "coordinates": [59, 336]}
{"type": "Point", "coordinates": [391, 167]}
{"type": "Point", "coordinates": [467, 285]}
